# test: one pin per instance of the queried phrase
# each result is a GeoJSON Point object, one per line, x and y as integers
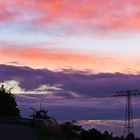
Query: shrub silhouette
{"type": "Point", "coordinates": [8, 105]}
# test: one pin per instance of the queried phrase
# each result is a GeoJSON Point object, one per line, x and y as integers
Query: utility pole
{"type": "Point", "coordinates": [129, 125]}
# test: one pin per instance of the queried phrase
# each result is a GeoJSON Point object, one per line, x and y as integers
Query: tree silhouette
{"type": "Point", "coordinates": [42, 113]}
{"type": "Point", "coordinates": [8, 105]}
{"type": "Point", "coordinates": [71, 129]}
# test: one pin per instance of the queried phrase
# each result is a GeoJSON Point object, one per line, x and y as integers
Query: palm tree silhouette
{"type": "Point", "coordinates": [42, 113]}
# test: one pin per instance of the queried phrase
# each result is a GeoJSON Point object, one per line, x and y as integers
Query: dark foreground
{"type": "Point", "coordinates": [37, 129]}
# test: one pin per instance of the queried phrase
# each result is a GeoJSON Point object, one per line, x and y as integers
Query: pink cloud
{"type": "Point", "coordinates": [82, 15]}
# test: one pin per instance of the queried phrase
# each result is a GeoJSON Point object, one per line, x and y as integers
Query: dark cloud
{"type": "Point", "coordinates": [72, 83]}
{"type": "Point", "coordinates": [82, 109]}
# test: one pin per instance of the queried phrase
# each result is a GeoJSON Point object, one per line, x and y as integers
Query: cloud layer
{"type": "Point", "coordinates": [70, 82]}
{"type": "Point", "coordinates": [76, 15]}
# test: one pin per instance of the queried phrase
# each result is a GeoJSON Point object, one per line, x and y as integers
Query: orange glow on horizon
{"type": "Point", "coordinates": [45, 58]}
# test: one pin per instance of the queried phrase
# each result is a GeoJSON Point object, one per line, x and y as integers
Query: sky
{"type": "Point", "coordinates": [68, 49]}
{"type": "Point", "coordinates": [102, 36]}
